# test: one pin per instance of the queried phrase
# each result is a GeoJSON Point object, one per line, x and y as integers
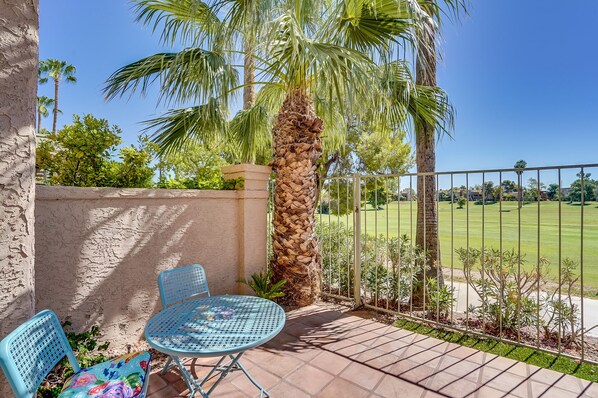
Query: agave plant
{"type": "Point", "coordinates": [262, 285]}
{"type": "Point", "coordinates": [316, 64]}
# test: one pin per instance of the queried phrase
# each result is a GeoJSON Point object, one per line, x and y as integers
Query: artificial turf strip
{"type": "Point", "coordinates": [523, 354]}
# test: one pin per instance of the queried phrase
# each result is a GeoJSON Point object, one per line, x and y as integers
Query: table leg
{"type": "Point", "coordinates": [189, 379]}
{"type": "Point", "coordinates": [234, 364]}
{"type": "Point", "coordinates": [196, 386]}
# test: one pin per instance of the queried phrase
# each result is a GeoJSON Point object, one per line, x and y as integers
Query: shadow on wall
{"type": "Point", "coordinates": [98, 259]}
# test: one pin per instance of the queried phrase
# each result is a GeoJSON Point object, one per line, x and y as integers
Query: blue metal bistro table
{"type": "Point", "coordinates": [215, 326]}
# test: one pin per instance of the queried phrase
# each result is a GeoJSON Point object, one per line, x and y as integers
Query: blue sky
{"type": "Point", "coordinates": [523, 76]}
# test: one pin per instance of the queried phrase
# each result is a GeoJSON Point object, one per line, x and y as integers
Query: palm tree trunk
{"type": "Point", "coordinates": [55, 106]}
{"type": "Point", "coordinates": [39, 121]}
{"type": "Point", "coordinates": [427, 217]}
{"type": "Point", "coordinates": [297, 149]}
{"type": "Point", "coordinates": [248, 75]}
{"type": "Point", "coordinates": [18, 93]}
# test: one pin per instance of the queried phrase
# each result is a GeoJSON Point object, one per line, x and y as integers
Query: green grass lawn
{"type": "Point", "coordinates": [454, 223]}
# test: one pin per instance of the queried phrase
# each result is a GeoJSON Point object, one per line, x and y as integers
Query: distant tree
{"type": "Point", "coordinates": [43, 103]}
{"type": "Point", "coordinates": [553, 192]}
{"type": "Point", "coordinates": [508, 186]}
{"type": "Point", "coordinates": [461, 202]}
{"type": "Point", "coordinates": [198, 167]}
{"type": "Point", "coordinates": [57, 71]}
{"type": "Point", "coordinates": [533, 190]}
{"type": "Point", "coordinates": [340, 197]}
{"type": "Point", "coordinates": [378, 196]}
{"type": "Point", "coordinates": [520, 165]}
{"type": "Point", "coordinates": [589, 189]}
{"type": "Point", "coordinates": [487, 190]}
{"type": "Point", "coordinates": [82, 154]}
{"type": "Point", "coordinates": [134, 170]}
{"type": "Point", "coordinates": [79, 153]}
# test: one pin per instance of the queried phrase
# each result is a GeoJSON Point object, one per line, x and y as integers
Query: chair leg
{"type": "Point", "coordinates": [167, 366]}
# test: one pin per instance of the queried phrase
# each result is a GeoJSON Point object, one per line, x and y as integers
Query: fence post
{"type": "Point", "coordinates": [357, 238]}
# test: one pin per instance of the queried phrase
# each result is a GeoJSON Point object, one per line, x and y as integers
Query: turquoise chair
{"type": "Point", "coordinates": [32, 350]}
{"type": "Point", "coordinates": [181, 284]}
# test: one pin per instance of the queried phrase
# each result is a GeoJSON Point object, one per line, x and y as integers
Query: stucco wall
{"type": "Point", "coordinates": [99, 250]}
{"type": "Point", "coordinates": [18, 91]}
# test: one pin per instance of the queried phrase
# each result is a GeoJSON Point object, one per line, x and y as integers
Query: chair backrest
{"type": "Point", "coordinates": [181, 284]}
{"type": "Point", "coordinates": [29, 353]}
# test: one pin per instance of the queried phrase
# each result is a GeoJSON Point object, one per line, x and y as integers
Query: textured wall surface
{"type": "Point", "coordinates": [99, 250]}
{"type": "Point", "coordinates": [18, 91]}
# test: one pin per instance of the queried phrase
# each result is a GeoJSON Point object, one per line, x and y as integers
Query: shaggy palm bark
{"type": "Point", "coordinates": [248, 75]}
{"type": "Point", "coordinates": [425, 142]}
{"type": "Point", "coordinates": [297, 149]}
{"type": "Point", "coordinates": [39, 121]}
{"type": "Point", "coordinates": [18, 93]}
{"type": "Point", "coordinates": [55, 106]}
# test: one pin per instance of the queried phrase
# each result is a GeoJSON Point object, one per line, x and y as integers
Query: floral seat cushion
{"type": "Point", "coordinates": [121, 377]}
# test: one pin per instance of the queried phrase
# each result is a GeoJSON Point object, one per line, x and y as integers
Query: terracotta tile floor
{"type": "Point", "coordinates": [325, 352]}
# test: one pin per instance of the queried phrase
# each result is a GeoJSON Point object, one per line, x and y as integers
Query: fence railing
{"type": "Point", "coordinates": [515, 256]}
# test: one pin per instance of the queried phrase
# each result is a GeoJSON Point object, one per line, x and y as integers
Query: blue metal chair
{"type": "Point", "coordinates": [30, 352]}
{"type": "Point", "coordinates": [180, 284]}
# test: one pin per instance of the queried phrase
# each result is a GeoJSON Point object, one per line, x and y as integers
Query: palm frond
{"type": "Point", "coordinates": [250, 131]}
{"type": "Point", "coordinates": [178, 128]}
{"type": "Point", "coordinates": [192, 74]}
{"type": "Point", "coordinates": [301, 61]}
{"type": "Point", "coordinates": [185, 21]}
{"type": "Point", "coordinates": [373, 24]}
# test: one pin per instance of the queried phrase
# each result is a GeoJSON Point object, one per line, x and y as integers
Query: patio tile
{"type": "Point", "coordinates": [549, 391]}
{"type": "Point", "coordinates": [310, 379]}
{"type": "Point", "coordinates": [325, 353]}
{"type": "Point", "coordinates": [570, 383]}
{"type": "Point", "coordinates": [489, 392]}
{"type": "Point", "coordinates": [363, 375]}
{"type": "Point", "coordinates": [422, 356]}
{"type": "Point", "coordinates": [281, 366]}
{"type": "Point", "coordinates": [168, 392]}
{"type": "Point", "coordinates": [411, 370]}
{"type": "Point", "coordinates": [547, 376]}
{"type": "Point", "coordinates": [458, 388]}
{"type": "Point", "coordinates": [463, 368]}
{"type": "Point", "coordinates": [591, 390]}
{"type": "Point", "coordinates": [156, 383]}
{"type": "Point", "coordinates": [378, 359]}
{"type": "Point", "coordinates": [306, 354]}
{"type": "Point", "coordinates": [502, 363]}
{"type": "Point", "coordinates": [508, 382]}
{"type": "Point", "coordinates": [331, 362]}
{"type": "Point", "coordinates": [341, 388]}
{"type": "Point", "coordinates": [285, 389]}
{"type": "Point", "coordinates": [263, 377]}
{"type": "Point", "coordinates": [394, 387]}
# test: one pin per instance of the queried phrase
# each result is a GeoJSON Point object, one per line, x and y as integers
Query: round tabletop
{"type": "Point", "coordinates": [214, 326]}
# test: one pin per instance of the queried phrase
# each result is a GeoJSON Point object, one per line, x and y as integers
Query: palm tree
{"type": "Point", "coordinates": [425, 143]}
{"type": "Point", "coordinates": [317, 63]}
{"type": "Point", "coordinates": [43, 103]}
{"type": "Point", "coordinates": [57, 71]}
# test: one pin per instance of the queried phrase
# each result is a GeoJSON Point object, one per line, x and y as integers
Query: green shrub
{"type": "Point", "coordinates": [262, 285]}
{"type": "Point", "coordinates": [88, 352]}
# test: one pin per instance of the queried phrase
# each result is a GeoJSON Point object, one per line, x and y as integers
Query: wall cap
{"type": "Point", "coordinates": [44, 192]}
